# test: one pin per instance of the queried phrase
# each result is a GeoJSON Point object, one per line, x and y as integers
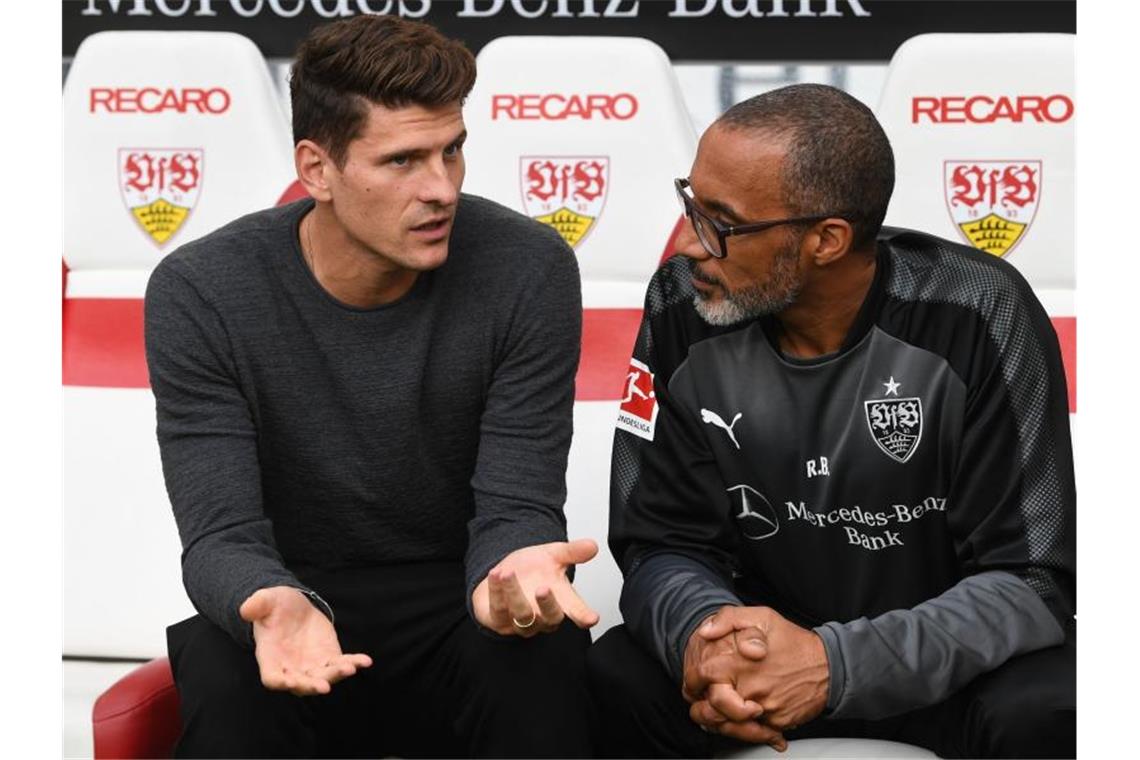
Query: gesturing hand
{"type": "Point", "coordinates": [296, 646]}
{"type": "Point", "coordinates": [790, 682]}
{"type": "Point", "coordinates": [528, 592]}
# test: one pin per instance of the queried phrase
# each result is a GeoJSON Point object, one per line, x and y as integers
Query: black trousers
{"type": "Point", "coordinates": [439, 686]}
{"type": "Point", "coordinates": [1025, 708]}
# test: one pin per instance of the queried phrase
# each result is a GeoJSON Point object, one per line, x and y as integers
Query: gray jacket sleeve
{"type": "Point", "coordinates": [208, 444]}
{"type": "Point", "coordinates": [520, 473]}
{"type": "Point", "coordinates": [666, 598]}
{"type": "Point", "coordinates": [906, 659]}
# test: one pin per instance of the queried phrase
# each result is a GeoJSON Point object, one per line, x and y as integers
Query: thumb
{"type": "Point", "coordinates": [257, 606]}
{"type": "Point", "coordinates": [719, 625]}
{"type": "Point", "coordinates": [578, 551]}
{"type": "Point", "coordinates": [752, 643]}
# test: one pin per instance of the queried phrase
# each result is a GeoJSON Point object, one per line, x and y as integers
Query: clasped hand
{"type": "Point", "coordinates": [528, 592]}
{"type": "Point", "coordinates": [751, 674]}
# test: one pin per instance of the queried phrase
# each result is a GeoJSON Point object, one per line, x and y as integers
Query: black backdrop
{"type": "Point", "coordinates": [688, 30]}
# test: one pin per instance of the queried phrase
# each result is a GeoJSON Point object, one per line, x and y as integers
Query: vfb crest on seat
{"type": "Point", "coordinates": [896, 425]}
{"type": "Point", "coordinates": [160, 187]}
{"type": "Point", "coordinates": [567, 193]}
{"type": "Point", "coordinates": [992, 202]}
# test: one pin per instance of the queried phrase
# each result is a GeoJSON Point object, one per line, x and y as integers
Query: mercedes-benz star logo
{"type": "Point", "coordinates": [756, 517]}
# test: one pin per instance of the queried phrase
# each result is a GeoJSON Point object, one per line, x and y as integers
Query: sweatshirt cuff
{"type": "Point", "coordinates": [836, 673]}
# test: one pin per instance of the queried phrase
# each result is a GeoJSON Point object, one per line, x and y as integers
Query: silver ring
{"type": "Point", "coordinates": [520, 626]}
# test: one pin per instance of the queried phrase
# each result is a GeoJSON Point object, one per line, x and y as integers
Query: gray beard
{"type": "Point", "coordinates": [772, 297]}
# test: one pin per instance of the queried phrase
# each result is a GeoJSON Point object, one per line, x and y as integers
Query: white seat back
{"type": "Point", "coordinates": [586, 134]}
{"type": "Point", "coordinates": [167, 136]}
{"type": "Point", "coordinates": [982, 129]}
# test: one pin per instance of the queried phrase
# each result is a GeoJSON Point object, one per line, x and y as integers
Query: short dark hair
{"type": "Point", "coordinates": [838, 161]}
{"type": "Point", "coordinates": [344, 66]}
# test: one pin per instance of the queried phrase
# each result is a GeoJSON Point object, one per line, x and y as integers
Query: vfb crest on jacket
{"type": "Point", "coordinates": [993, 202]}
{"type": "Point", "coordinates": [565, 192]}
{"type": "Point", "coordinates": [160, 187]}
{"type": "Point", "coordinates": [896, 425]}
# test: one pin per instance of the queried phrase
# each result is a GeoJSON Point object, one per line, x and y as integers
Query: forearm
{"type": "Point", "coordinates": [907, 659]}
{"type": "Point", "coordinates": [223, 569]}
{"type": "Point", "coordinates": [519, 482]}
{"type": "Point", "coordinates": [663, 601]}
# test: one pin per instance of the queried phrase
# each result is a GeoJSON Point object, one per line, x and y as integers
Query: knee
{"type": "Point", "coordinates": [1026, 727]}
{"type": "Point", "coordinates": [497, 671]}
{"type": "Point", "coordinates": [225, 709]}
{"type": "Point", "coordinates": [603, 660]}
{"type": "Point", "coordinates": [219, 681]}
{"type": "Point", "coordinates": [1032, 714]}
{"type": "Point", "coordinates": [618, 668]}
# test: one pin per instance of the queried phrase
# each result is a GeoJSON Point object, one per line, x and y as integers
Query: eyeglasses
{"type": "Point", "coordinates": [714, 235]}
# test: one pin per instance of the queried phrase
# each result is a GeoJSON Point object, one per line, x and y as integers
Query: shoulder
{"type": "Point", "coordinates": [970, 307]}
{"type": "Point", "coordinates": [929, 269]}
{"type": "Point", "coordinates": [234, 254]}
{"type": "Point", "coordinates": [492, 235]}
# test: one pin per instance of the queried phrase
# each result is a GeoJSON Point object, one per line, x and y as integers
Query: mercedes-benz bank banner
{"type": "Point", "coordinates": [688, 30]}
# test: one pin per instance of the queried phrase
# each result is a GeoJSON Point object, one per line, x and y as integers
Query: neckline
{"type": "Point", "coordinates": [864, 319]}
{"type": "Point", "coordinates": [306, 205]}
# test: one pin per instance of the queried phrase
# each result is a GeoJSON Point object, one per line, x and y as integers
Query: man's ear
{"type": "Point", "coordinates": [830, 240]}
{"type": "Point", "coordinates": [313, 165]}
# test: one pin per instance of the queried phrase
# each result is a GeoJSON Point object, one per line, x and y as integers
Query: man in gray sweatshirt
{"type": "Point", "coordinates": [847, 507]}
{"type": "Point", "coordinates": [364, 409]}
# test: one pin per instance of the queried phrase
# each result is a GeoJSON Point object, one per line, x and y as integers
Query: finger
{"type": "Point", "coordinates": [754, 733]}
{"type": "Point", "coordinates": [722, 623]}
{"type": "Point", "coordinates": [705, 714]}
{"type": "Point", "coordinates": [359, 660]}
{"type": "Point", "coordinates": [273, 679]}
{"type": "Point", "coordinates": [549, 610]}
{"type": "Point", "coordinates": [752, 643]}
{"type": "Point", "coordinates": [576, 552]}
{"type": "Point", "coordinates": [521, 610]}
{"type": "Point", "coordinates": [576, 609]}
{"type": "Point", "coordinates": [332, 673]}
{"type": "Point", "coordinates": [497, 596]}
{"type": "Point", "coordinates": [730, 704]}
{"type": "Point", "coordinates": [723, 668]}
{"type": "Point", "coordinates": [256, 607]}
{"type": "Point", "coordinates": [303, 685]}
{"type": "Point", "coordinates": [309, 686]}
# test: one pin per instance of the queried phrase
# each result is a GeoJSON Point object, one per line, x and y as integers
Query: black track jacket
{"type": "Point", "coordinates": [910, 497]}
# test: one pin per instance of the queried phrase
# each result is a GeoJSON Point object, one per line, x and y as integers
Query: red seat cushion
{"type": "Point", "coordinates": [138, 715]}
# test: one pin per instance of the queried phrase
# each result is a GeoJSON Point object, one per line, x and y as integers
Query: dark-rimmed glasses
{"type": "Point", "coordinates": [714, 235]}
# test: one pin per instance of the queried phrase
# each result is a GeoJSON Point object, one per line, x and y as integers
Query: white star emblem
{"type": "Point", "coordinates": [892, 386]}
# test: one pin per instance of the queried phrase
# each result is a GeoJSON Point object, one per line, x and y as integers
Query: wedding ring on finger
{"type": "Point", "coordinates": [524, 626]}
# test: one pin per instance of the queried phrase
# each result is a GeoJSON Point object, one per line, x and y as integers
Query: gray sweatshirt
{"type": "Point", "coordinates": [299, 432]}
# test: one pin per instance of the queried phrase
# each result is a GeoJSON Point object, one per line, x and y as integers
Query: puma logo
{"type": "Point", "coordinates": [712, 418]}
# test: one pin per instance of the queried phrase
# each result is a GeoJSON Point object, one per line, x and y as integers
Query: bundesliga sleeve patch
{"type": "Point", "coordinates": [638, 411]}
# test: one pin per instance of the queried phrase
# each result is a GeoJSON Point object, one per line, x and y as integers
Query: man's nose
{"type": "Point", "coordinates": [688, 244]}
{"type": "Point", "coordinates": [438, 187]}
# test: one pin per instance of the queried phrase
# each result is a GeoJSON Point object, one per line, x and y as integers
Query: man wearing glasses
{"type": "Point", "coordinates": [852, 511]}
